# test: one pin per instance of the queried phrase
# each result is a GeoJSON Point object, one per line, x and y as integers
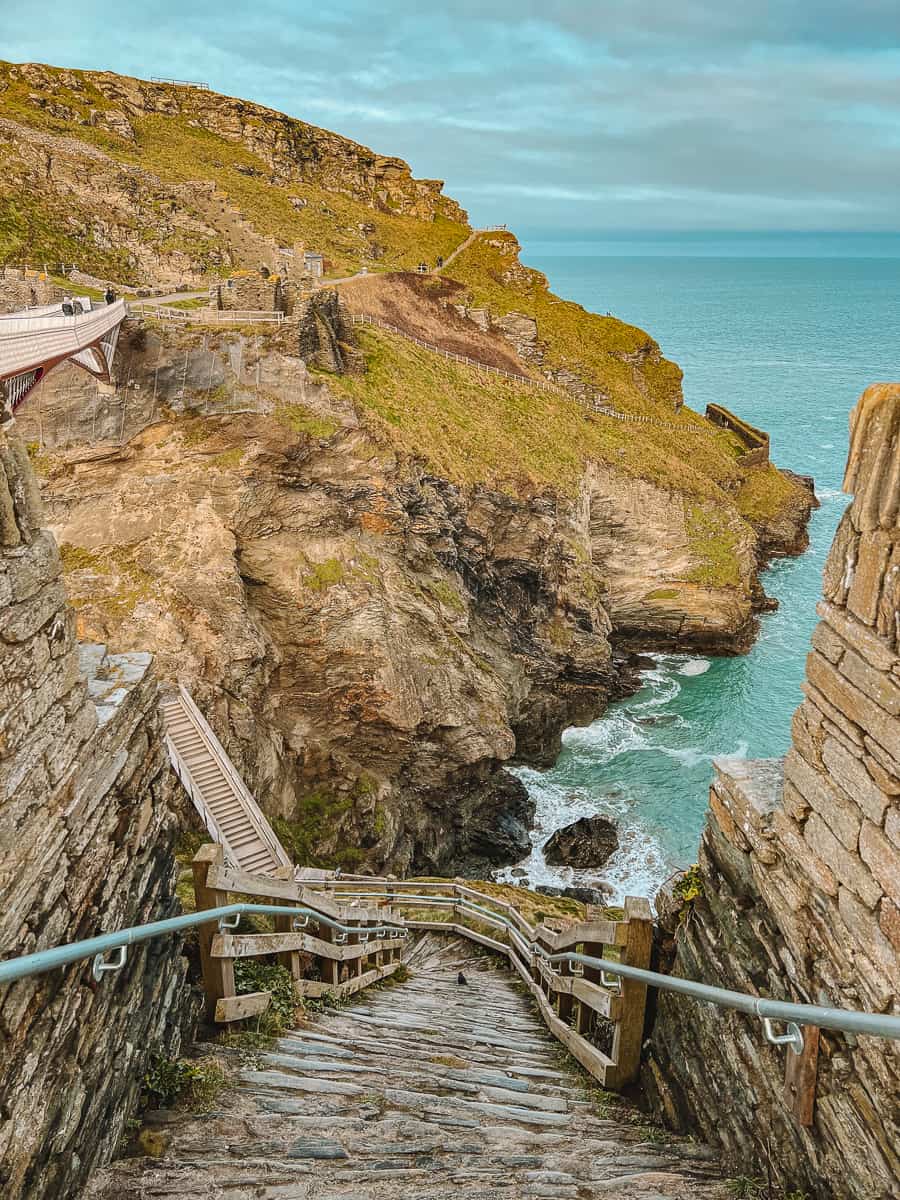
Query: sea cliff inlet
{"type": "Point", "coordinates": [790, 342]}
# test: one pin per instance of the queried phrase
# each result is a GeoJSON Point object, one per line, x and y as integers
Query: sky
{"type": "Point", "coordinates": [559, 116]}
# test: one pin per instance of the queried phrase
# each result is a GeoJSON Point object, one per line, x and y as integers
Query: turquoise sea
{"type": "Point", "coordinates": [787, 333]}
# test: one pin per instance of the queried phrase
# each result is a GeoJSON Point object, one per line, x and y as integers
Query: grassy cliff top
{"type": "Point", "coordinates": [236, 172]}
{"type": "Point", "coordinates": [602, 350]}
{"type": "Point", "coordinates": [473, 427]}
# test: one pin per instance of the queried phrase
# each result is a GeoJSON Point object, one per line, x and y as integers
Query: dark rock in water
{"type": "Point", "coordinates": [657, 719]}
{"type": "Point", "coordinates": [546, 890]}
{"type": "Point", "coordinates": [518, 873]}
{"type": "Point", "coordinates": [587, 842]}
{"type": "Point", "coordinates": [642, 662]}
{"type": "Point", "coordinates": [589, 895]}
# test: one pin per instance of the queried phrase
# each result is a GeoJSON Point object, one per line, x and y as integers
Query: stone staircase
{"type": "Point", "coordinates": [421, 1090]}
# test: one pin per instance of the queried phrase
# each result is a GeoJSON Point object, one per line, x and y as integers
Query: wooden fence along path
{"type": "Point", "coordinates": [599, 1020]}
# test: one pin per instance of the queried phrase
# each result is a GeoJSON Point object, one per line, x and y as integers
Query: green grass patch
{"type": "Point", "coordinates": [712, 541]}
{"type": "Point", "coordinates": [324, 575]}
{"type": "Point", "coordinates": [192, 1084]}
{"type": "Point", "coordinates": [765, 494]}
{"type": "Point", "coordinates": [320, 812]}
{"type": "Point", "coordinates": [446, 595]}
{"type": "Point", "coordinates": [663, 594]}
{"type": "Point", "coordinates": [475, 428]}
{"type": "Point", "coordinates": [124, 583]}
{"type": "Point", "coordinates": [255, 975]}
{"type": "Point", "coordinates": [300, 420]}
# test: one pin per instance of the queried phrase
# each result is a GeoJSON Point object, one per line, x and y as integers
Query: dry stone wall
{"type": "Point", "coordinates": [86, 838]}
{"type": "Point", "coordinates": [800, 879]}
{"type": "Point", "coordinates": [23, 289]}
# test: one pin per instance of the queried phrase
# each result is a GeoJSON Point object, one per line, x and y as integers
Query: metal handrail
{"type": "Point", "coordinates": [60, 956]}
{"type": "Point", "coordinates": [845, 1020]}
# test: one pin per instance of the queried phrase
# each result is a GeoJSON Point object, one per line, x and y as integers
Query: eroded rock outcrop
{"type": "Point", "coordinates": [587, 842]}
{"type": "Point", "coordinates": [799, 879]}
{"type": "Point", "coordinates": [86, 836]}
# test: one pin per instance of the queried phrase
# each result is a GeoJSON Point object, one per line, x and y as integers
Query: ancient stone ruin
{"type": "Point", "coordinates": [799, 882]}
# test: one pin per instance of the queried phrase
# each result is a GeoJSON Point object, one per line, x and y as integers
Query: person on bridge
{"type": "Point", "coordinates": [68, 307]}
{"type": "Point", "coordinates": [109, 295]}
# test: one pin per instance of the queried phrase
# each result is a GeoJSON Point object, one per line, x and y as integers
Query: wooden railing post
{"type": "Point", "coordinates": [585, 1015]}
{"type": "Point", "coordinates": [218, 973]}
{"type": "Point", "coordinates": [636, 953]}
{"type": "Point", "coordinates": [329, 968]}
{"type": "Point", "coordinates": [290, 959]}
{"type": "Point", "coordinates": [564, 999]}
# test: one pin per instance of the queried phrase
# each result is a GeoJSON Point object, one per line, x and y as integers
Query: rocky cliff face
{"type": "Point", "coordinates": [372, 635]}
{"type": "Point", "coordinates": [799, 879]}
{"type": "Point", "coordinates": [371, 642]}
{"type": "Point", "coordinates": [86, 836]}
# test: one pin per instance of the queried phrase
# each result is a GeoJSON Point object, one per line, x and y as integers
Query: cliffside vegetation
{"type": "Point", "coordinates": [198, 180]}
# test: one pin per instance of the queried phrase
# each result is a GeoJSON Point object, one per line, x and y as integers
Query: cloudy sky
{"type": "Point", "coordinates": [556, 116]}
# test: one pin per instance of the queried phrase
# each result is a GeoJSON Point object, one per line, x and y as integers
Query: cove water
{"type": "Point", "coordinates": [786, 332]}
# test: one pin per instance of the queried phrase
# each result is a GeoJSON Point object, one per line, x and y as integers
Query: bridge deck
{"type": "Point", "coordinates": [32, 339]}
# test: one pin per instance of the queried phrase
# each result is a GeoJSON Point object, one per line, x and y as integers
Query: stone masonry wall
{"type": "Point", "coordinates": [86, 837]}
{"type": "Point", "coordinates": [800, 876]}
{"type": "Point", "coordinates": [19, 289]}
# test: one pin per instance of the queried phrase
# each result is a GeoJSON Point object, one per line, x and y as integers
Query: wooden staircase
{"type": "Point", "coordinates": [229, 811]}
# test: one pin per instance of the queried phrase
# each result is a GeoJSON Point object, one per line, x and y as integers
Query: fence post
{"type": "Point", "coordinates": [290, 959]}
{"type": "Point", "coordinates": [218, 973]}
{"type": "Point", "coordinates": [636, 953]}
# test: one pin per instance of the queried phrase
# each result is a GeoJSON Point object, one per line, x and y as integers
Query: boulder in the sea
{"type": "Point", "coordinates": [547, 889]}
{"type": "Point", "coordinates": [599, 894]}
{"type": "Point", "coordinates": [587, 842]}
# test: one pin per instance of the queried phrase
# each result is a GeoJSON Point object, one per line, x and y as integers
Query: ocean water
{"type": "Point", "coordinates": [788, 342]}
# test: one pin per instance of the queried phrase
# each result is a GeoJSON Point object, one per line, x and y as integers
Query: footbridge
{"type": "Point", "coordinates": [36, 340]}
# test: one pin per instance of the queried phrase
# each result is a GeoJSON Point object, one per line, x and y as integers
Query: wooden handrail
{"type": "Point", "coordinates": [570, 1004]}
{"type": "Point", "coordinates": [344, 967]}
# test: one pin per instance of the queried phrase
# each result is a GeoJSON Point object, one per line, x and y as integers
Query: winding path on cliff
{"type": "Point", "coordinates": [418, 1091]}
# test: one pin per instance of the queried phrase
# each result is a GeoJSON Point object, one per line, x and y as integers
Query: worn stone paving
{"type": "Point", "coordinates": [419, 1090]}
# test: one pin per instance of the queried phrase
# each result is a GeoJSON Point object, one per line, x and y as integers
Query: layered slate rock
{"type": "Point", "coordinates": [86, 837]}
{"type": "Point", "coordinates": [419, 1091]}
{"type": "Point", "coordinates": [800, 875]}
{"type": "Point", "coordinates": [587, 842]}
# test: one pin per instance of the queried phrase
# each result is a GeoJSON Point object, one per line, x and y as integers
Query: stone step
{"type": "Point", "coordinates": [420, 1091]}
